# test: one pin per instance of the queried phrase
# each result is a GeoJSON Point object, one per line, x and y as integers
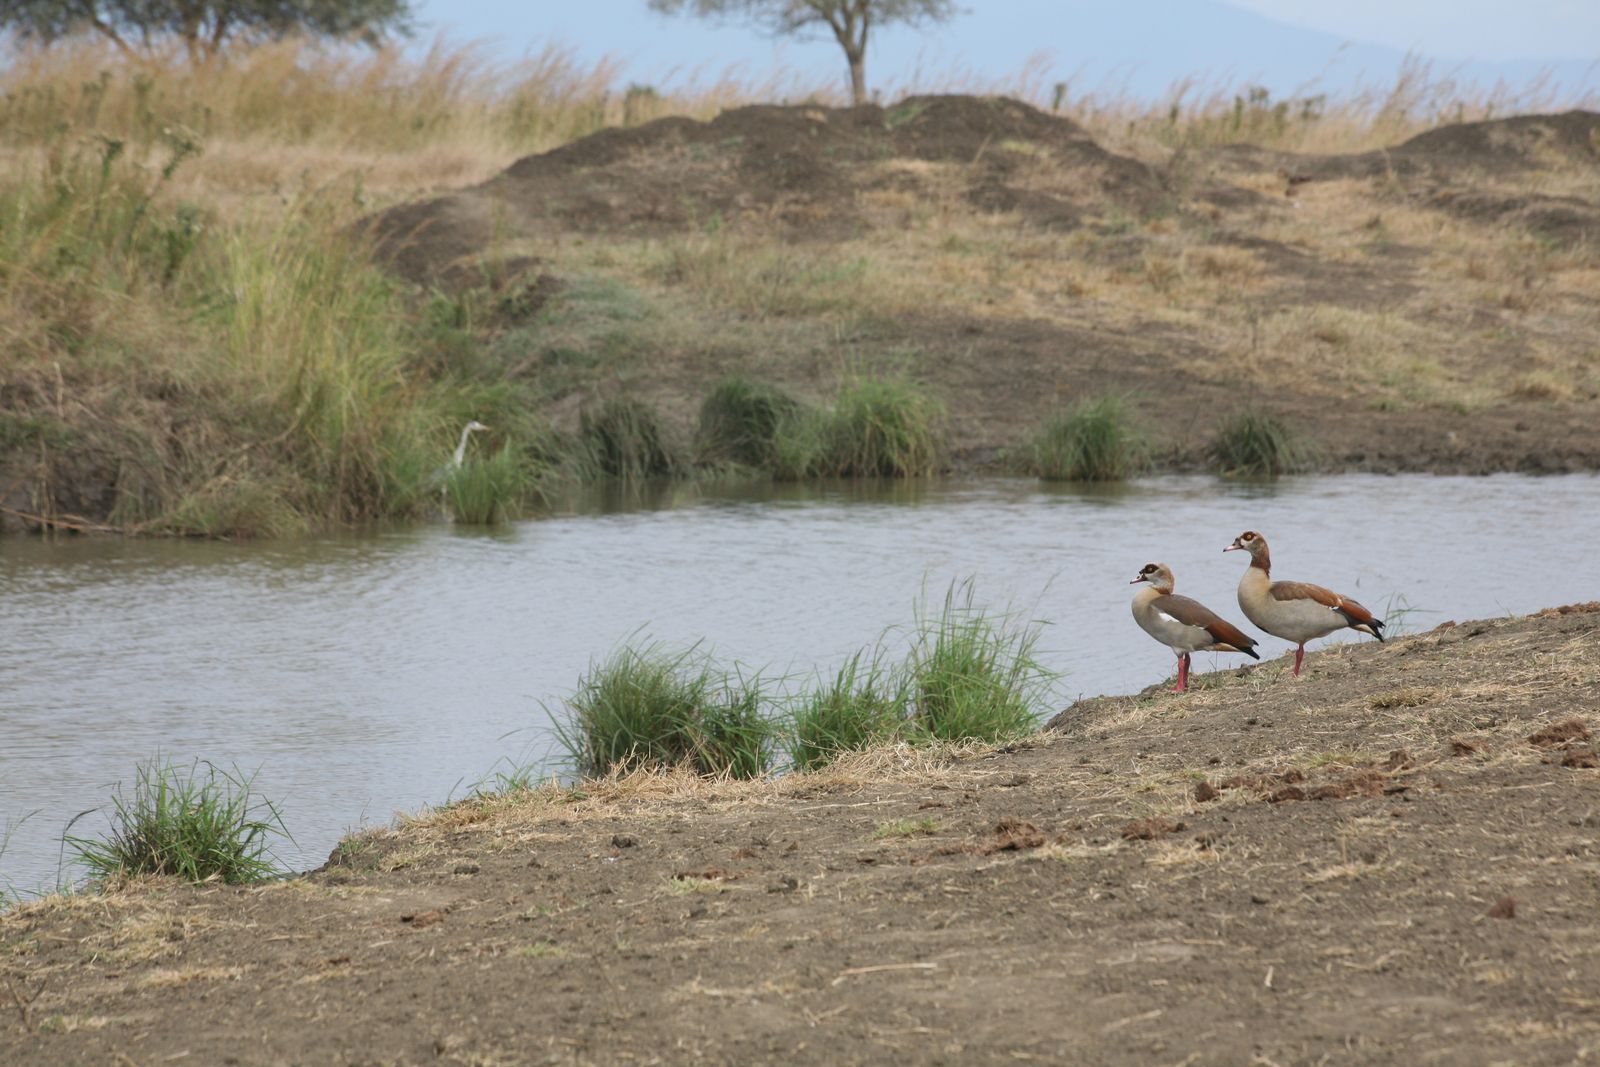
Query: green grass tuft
{"type": "Point", "coordinates": [186, 824]}
{"type": "Point", "coordinates": [645, 707]}
{"type": "Point", "coordinates": [971, 676]}
{"type": "Point", "coordinates": [1257, 442]}
{"type": "Point", "coordinates": [1095, 441]}
{"type": "Point", "coordinates": [625, 439]}
{"type": "Point", "coordinates": [877, 428]}
{"type": "Point", "coordinates": [740, 421]}
{"type": "Point", "coordinates": [482, 492]}
{"type": "Point", "coordinates": [886, 427]}
{"type": "Point", "coordinates": [862, 706]}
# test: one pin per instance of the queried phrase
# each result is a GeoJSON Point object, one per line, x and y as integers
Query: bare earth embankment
{"type": "Point", "coordinates": [1394, 860]}
{"type": "Point", "coordinates": [1430, 306]}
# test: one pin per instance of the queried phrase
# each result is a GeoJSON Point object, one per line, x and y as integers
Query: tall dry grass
{"type": "Point", "coordinates": [291, 114]}
{"type": "Point", "coordinates": [1199, 112]}
{"type": "Point", "coordinates": [282, 114]}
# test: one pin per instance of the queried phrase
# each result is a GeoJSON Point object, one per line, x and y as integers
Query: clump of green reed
{"type": "Point", "coordinates": [625, 439]}
{"type": "Point", "coordinates": [481, 492]}
{"type": "Point", "coordinates": [191, 824]}
{"type": "Point", "coordinates": [649, 707]}
{"type": "Point", "coordinates": [1257, 442]}
{"type": "Point", "coordinates": [1094, 441]}
{"type": "Point", "coordinates": [734, 736]}
{"type": "Point", "coordinates": [877, 427]}
{"type": "Point", "coordinates": [861, 706]}
{"type": "Point", "coordinates": [971, 675]}
{"type": "Point", "coordinates": [886, 427]}
{"type": "Point", "coordinates": [740, 420]}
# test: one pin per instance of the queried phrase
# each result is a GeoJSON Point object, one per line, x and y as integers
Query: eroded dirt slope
{"type": "Point", "coordinates": [1394, 860]}
{"type": "Point", "coordinates": [1427, 307]}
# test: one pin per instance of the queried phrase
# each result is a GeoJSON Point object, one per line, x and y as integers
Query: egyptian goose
{"type": "Point", "coordinates": [1294, 611]}
{"type": "Point", "coordinates": [1181, 624]}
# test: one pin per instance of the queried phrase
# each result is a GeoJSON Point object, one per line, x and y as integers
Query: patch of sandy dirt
{"type": "Point", "coordinates": [1373, 864]}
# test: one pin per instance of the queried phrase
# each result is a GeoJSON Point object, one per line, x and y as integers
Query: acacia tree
{"type": "Point", "coordinates": [204, 26]}
{"type": "Point", "coordinates": [849, 20]}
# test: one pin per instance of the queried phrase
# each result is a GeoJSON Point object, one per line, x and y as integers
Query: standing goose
{"type": "Point", "coordinates": [1294, 611]}
{"type": "Point", "coordinates": [1181, 624]}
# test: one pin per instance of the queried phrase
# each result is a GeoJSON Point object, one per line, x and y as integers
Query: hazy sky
{"type": "Point", "coordinates": [1140, 46]}
{"type": "Point", "coordinates": [1464, 29]}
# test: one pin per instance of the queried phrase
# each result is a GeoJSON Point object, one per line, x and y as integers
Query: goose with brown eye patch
{"type": "Point", "coordinates": [1182, 624]}
{"type": "Point", "coordinates": [1294, 611]}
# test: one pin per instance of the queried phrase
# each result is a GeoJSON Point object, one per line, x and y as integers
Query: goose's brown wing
{"type": "Point", "coordinates": [1193, 613]}
{"type": "Point", "coordinates": [1357, 616]}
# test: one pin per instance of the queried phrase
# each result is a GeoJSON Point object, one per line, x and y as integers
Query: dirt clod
{"type": "Point", "coordinates": [1205, 791]}
{"type": "Point", "coordinates": [1580, 756]}
{"type": "Point", "coordinates": [1562, 733]}
{"type": "Point", "coordinates": [624, 841]}
{"type": "Point", "coordinates": [1012, 834]}
{"type": "Point", "coordinates": [1150, 829]}
{"type": "Point", "coordinates": [1399, 760]}
{"type": "Point", "coordinates": [420, 919]}
{"type": "Point", "coordinates": [1504, 908]}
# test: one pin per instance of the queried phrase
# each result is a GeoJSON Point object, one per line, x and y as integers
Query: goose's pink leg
{"type": "Point", "coordinates": [1299, 654]}
{"type": "Point", "coordinates": [1183, 673]}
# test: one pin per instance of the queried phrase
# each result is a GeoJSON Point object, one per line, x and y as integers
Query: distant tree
{"type": "Point", "coordinates": [849, 20]}
{"type": "Point", "coordinates": [204, 26]}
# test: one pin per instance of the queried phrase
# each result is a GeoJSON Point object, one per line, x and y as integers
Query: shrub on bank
{"type": "Point", "coordinates": [624, 438]}
{"type": "Point", "coordinates": [973, 676]}
{"type": "Point", "coordinates": [967, 675]}
{"type": "Point", "coordinates": [888, 427]}
{"type": "Point", "coordinates": [1095, 441]}
{"type": "Point", "coordinates": [482, 492]}
{"type": "Point", "coordinates": [740, 420]}
{"type": "Point", "coordinates": [863, 705]}
{"type": "Point", "coordinates": [885, 427]}
{"type": "Point", "coordinates": [645, 707]}
{"type": "Point", "coordinates": [1257, 442]}
{"type": "Point", "coordinates": [186, 824]}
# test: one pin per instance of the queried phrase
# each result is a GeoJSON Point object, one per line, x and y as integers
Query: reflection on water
{"type": "Point", "coordinates": [389, 670]}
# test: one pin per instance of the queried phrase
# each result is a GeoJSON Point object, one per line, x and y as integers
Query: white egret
{"type": "Point", "coordinates": [441, 476]}
{"type": "Point", "coordinates": [466, 433]}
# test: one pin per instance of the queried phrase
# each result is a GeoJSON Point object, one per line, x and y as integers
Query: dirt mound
{"type": "Point", "coordinates": [800, 168]}
{"type": "Point", "coordinates": [1525, 142]}
{"type": "Point", "coordinates": [1494, 146]}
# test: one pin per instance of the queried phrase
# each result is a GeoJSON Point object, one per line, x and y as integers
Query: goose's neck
{"type": "Point", "coordinates": [1147, 593]}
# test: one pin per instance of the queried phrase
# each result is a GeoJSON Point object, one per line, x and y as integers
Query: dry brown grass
{"type": "Point", "coordinates": [666, 789]}
{"type": "Point", "coordinates": [292, 115]}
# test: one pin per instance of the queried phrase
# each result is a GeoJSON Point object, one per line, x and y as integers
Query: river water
{"type": "Point", "coordinates": [382, 672]}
